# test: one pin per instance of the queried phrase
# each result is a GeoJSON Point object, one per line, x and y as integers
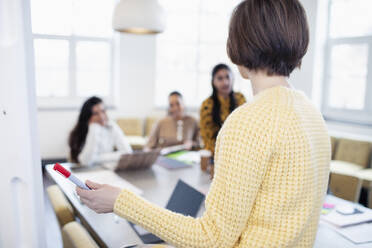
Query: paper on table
{"type": "Point", "coordinates": [341, 220]}
{"type": "Point", "coordinates": [192, 156]}
{"type": "Point", "coordinates": [171, 149]}
{"type": "Point", "coordinates": [361, 233]}
{"type": "Point", "coordinates": [141, 231]}
{"type": "Point", "coordinates": [109, 177]}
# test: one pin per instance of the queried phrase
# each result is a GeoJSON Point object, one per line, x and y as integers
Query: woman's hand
{"type": "Point", "coordinates": [101, 198]}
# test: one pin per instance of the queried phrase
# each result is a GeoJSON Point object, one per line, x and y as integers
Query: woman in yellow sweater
{"type": "Point", "coordinates": [272, 155]}
{"type": "Point", "coordinates": [215, 109]}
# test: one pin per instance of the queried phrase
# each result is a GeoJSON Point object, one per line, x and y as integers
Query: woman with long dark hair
{"type": "Point", "coordinates": [96, 139]}
{"type": "Point", "coordinates": [219, 105]}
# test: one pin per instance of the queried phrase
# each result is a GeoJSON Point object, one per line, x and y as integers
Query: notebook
{"type": "Point", "coordinates": [184, 200]}
{"type": "Point", "coordinates": [358, 234]}
{"type": "Point", "coordinates": [170, 163]}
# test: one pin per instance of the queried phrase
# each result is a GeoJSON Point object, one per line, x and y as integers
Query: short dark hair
{"type": "Point", "coordinates": [269, 35]}
{"type": "Point", "coordinates": [175, 93]}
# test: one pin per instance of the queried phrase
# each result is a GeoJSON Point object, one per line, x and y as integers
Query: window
{"type": "Point", "coordinates": [73, 48]}
{"type": "Point", "coordinates": [193, 42]}
{"type": "Point", "coordinates": [348, 72]}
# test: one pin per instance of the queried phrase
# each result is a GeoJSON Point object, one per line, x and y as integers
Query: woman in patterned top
{"type": "Point", "coordinates": [219, 105]}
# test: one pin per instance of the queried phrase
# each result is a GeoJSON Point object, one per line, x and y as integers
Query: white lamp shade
{"type": "Point", "coordinates": [139, 17]}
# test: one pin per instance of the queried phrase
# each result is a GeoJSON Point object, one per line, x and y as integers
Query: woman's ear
{"type": "Point", "coordinates": [244, 72]}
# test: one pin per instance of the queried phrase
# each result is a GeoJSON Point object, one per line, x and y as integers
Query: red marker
{"type": "Point", "coordinates": [70, 176]}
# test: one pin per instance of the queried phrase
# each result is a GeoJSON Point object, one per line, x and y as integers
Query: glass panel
{"type": "Point", "coordinates": [194, 41]}
{"type": "Point", "coordinates": [175, 71]}
{"type": "Point", "coordinates": [182, 81]}
{"type": "Point", "coordinates": [219, 6]}
{"type": "Point", "coordinates": [51, 67]}
{"type": "Point", "coordinates": [51, 16]}
{"type": "Point", "coordinates": [93, 17]}
{"type": "Point", "coordinates": [176, 57]}
{"type": "Point", "coordinates": [204, 87]}
{"type": "Point", "coordinates": [180, 6]}
{"type": "Point", "coordinates": [350, 18]}
{"type": "Point", "coordinates": [348, 76]}
{"type": "Point", "coordinates": [93, 68]}
{"type": "Point", "coordinates": [210, 55]}
{"type": "Point", "coordinates": [181, 28]}
{"type": "Point", "coordinates": [214, 28]}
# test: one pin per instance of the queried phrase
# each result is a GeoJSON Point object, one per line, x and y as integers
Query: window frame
{"type": "Point", "coordinates": [363, 116]}
{"type": "Point", "coordinates": [198, 70]}
{"type": "Point", "coordinates": [72, 101]}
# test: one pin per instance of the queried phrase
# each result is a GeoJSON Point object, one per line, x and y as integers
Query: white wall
{"type": "Point", "coordinates": [302, 79]}
{"type": "Point", "coordinates": [136, 74]}
{"type": "Point", "coordinates": [54, 127]}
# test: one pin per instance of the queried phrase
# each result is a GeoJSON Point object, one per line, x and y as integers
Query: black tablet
{"type": "Point", "coordinates": [184, 200]}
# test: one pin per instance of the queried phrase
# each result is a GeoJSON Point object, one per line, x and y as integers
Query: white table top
{"type": "Point", "coordinates": [157, 185]}
{"type": "Point", "coordinates": [328, 237]}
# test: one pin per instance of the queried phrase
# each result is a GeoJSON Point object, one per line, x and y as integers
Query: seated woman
{"type": "Point", "coordinates": [219, 105]}
{"type": "Point", "coordinates": [95, 139]}
{"type": "Point", "coordinates": [175, 129]}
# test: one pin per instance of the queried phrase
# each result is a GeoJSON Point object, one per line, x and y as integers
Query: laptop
{"type": "Point", "coordinates": [184, 200]}
{"type": "Point", "coordinates": [137, 160]}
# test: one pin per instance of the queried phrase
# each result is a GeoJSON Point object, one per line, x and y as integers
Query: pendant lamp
{"type": "Point", "coordinates": [139, 17]}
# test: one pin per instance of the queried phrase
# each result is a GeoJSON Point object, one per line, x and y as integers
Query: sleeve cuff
{"type": "Point", "coordinates": [120, 201]}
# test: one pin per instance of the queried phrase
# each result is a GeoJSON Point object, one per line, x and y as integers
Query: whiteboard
{"type": "Point", "coordinates": [21, 191]}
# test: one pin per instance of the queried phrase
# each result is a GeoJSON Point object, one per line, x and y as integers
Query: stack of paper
{"type": "Point", "coordinates": [354, 225]}
{"type": "Point", "coordinates": [358, 234]}
{"type": "Point", "coordinates": [342, 220]}
{"type": "Point", "coordinates": [189, 157]}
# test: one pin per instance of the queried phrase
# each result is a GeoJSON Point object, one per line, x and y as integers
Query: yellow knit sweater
{"type": "Point", "coordinates": [272, 163]}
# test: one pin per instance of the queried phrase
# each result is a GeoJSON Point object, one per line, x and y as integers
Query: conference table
{"type": "Point", "coordinates": [157, 184]}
